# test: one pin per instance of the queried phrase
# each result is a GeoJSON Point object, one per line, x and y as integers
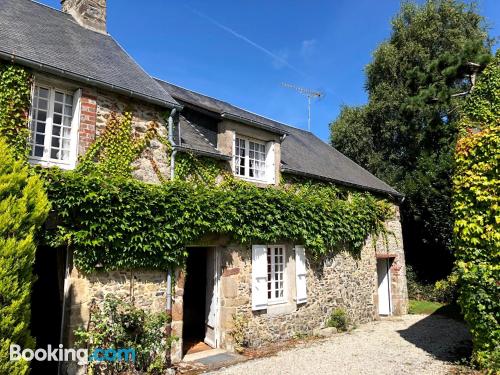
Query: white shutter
{"type": "Point", "coordinates": [270, 163]}
{"type": "Point", "coordinates": [75, 127]}
{"type": "Point", "coordinates": [301, 273]}
{"type": "Point", "coordinates": [259, 277]}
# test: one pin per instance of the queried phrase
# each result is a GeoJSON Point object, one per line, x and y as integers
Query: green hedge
{"type": "Point", "coordinates": [23, 208]}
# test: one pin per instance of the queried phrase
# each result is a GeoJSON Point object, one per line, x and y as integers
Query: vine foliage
{"type": "Point", "coordinates": [117, 223]}
{"type": "Point", "coordinates": [15, 96]}
{"type": "Point", "coordinates": [476, 206]}
{"type": "Point", "coordinates": [114, 151]}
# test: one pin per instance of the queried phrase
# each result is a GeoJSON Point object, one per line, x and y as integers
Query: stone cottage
{"type": "Point", "coordinates": [81, 75]}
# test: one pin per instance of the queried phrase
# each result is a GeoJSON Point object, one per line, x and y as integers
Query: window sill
{"type": "Point", "coordinates": [48, 164]}
{"type": "Point", "coordinates": [283, 307]}
{"type": "Point", "coordinates": [261, 183]}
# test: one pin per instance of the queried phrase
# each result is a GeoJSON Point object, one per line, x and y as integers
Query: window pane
{"type": "Point", "coordinates": [41, 116]}
{"type": "Point", "coordinates": [65, 155]}
{"type": "Point", "coordinates": [42, 104]}
{"type": "Point", "coordinates": [40, 139]}
{"type": "Point", "coordinates": [58, 107]}
{"type": "Point", "coordinates": [38, 151]}
{"type": "Point", "coordinates": [57, 119]}
{"type": "Point", "coordinates": [43, 93]}
{"type": "Point", "coordinates": [40, 127]}
{"type": "Point", "coordinates": [54, 154]}
{"type": "Point", "coordinates": [59, 97]}
{"type": "Point", "coordinates": [56, 130]}
{"type": "Point", "coordinates": [68, 110]}
{"type": "Point", "coordinates": [55, 142]}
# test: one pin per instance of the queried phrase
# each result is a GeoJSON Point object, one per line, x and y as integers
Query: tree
{"type": "Point", "coordinates": [23, 208]}
{"type": "Point", "coordinates": [406, 133]}
{"type": "Point", "coordinates": [476, 206]}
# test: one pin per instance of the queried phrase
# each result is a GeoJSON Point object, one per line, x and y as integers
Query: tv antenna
{"type": "Point", "coordinates": [310, 94]}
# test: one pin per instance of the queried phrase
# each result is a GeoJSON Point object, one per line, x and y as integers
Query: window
{"type": "Point", "coordinates": [53, 129]}
{"type": "Point", "coordinates": [250, 159]}
{"type": "Point", "coordinates": [273, 276]}
{"type": "Point", "coordinates": [275, 273]}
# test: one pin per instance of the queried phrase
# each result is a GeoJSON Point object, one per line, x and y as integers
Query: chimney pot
{"type": "Point", "coordinates": [90, 14]}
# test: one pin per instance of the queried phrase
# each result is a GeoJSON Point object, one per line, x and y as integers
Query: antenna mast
{"type": "Point", "coordinates": [309, 94]}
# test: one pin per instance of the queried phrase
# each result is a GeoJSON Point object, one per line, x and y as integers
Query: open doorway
{"type": "Point", "coordinates": [46, 303]}
{"type": "Point", "coordinates": [200, 302]}
{"type": "Point", "coordinates": [384, 286]}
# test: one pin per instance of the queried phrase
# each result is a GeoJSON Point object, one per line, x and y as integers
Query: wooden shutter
{"type": "Point", "coordinates": [270, 163]}
{"type": "Point", "coordinates": [259, 277]}
{"type": "Point", "coordinates": [75, 127]}
{"type": "Point", "coordinates": [301, 273]}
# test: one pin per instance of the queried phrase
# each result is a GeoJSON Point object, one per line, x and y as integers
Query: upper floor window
{"type": "Point", "coordinates": [54, 126]}
{"type": "Point", "coordinates": [253, 159]}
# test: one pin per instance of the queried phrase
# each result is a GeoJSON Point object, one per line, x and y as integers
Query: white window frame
{"type": "Point", "coordinates": [273, 275]}
{"type": "Point", "coordinates": [266, 178]}
{"type": "Point", "coordinates": [46, 159]}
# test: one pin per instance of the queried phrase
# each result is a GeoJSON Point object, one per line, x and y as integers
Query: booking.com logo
{"type": "Point", "coordinates": [81, 356]}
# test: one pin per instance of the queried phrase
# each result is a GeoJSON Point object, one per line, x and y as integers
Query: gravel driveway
{"type": "Point", "coordinates": [412, 344]}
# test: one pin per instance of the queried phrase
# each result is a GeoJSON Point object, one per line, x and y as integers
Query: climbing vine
{"type": "Point", "coordinates": [115, 222]}
{"type": "Point", "coordinates": [476, 206]}
{"type": "Point", "coordinates": [189, 167]}
{"type": "Point", "coordinates": [15, 96]}
{"type": "Point", "coordinates": [114, 151]}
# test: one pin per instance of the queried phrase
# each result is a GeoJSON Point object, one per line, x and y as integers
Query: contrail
{"type": "Point", "coordinates": [245, 39]}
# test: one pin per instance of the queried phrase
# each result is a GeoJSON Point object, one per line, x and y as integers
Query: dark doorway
{"type": "Point", "coordinates": [195, 298]}
{"type": "Point", "coordinates": [46, 304]}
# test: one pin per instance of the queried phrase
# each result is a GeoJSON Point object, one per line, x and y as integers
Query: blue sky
{"type": "Point", "coordinates": [241, 51]}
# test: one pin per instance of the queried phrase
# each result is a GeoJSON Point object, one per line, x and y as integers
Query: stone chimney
{"type": "Point", "coordinates": [88, 13]}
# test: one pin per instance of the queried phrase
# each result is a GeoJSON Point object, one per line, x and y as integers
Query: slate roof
{"type": "Point", "coordinates": [46, 39]}
{"type": "Point", "coordinates": [302, 153]}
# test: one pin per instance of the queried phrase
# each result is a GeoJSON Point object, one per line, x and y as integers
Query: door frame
{"type": "Point", "coordinates": [387, 262]}
{"type": "Point", "coordinates": [216, 276]}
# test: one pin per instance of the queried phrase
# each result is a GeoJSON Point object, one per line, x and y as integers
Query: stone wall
{"type": "Point", "coordinates": [145, 289]}
{"type": "Point", "coordinates": [340, 280]}
{"type": "Point", "coordinates": [155, 159]}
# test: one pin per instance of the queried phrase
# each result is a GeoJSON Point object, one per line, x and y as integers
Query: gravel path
{"type": "Point", "coordinates": [412, 344]}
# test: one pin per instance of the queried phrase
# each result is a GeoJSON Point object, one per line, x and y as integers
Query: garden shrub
{"type": "Point", "coordinates": [120, 325]}
{"type": "Point", "coordinates": [23, 208]}
{"type": "Point", "coordinates": [338, 319]}
{"type": "Point", "coordinates": [476, 206]}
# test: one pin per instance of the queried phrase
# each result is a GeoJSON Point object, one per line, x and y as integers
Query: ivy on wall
{"type": "Point", "coordinates": [114, 151]}
{"type": "Point", "coordinates": [476, 206]}
{"type": "Point", "coordinates": [117, 223]}
{"type": "Point", "coordinates": [189, 167]}
{"type": "Point", "coordinates": [15, 96]}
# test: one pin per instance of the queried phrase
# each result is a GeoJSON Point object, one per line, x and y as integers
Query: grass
{"type": "Point", "coordinates": [428, 307]}
{"type": "Point", "coordinates": [424, 307]}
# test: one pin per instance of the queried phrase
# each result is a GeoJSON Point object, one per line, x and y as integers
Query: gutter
{"type": "Point", "coordinates": [257, 124]}
{"type": "Point", "coordinates": [396, 195]}
{"type": "Point", "coordinates": [83, 79]}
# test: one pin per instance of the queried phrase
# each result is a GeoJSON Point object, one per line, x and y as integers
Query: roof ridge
{"type": "Point", "coordinates": [235, 106]}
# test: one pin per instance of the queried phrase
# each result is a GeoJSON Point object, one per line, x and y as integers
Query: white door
{"type": "Point", "coordinates": [384, 287]}
{"type": "Point", "coordinates": [212, 298]}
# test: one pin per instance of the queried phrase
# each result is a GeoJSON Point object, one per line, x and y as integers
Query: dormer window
{"type": "Point", "coordinates": [253, 159]}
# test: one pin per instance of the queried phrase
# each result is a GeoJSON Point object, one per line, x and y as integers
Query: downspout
{"type": "Point", "coordinates": [171, 141]}
{"type": "Point", "coordinates": [168, 309]}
